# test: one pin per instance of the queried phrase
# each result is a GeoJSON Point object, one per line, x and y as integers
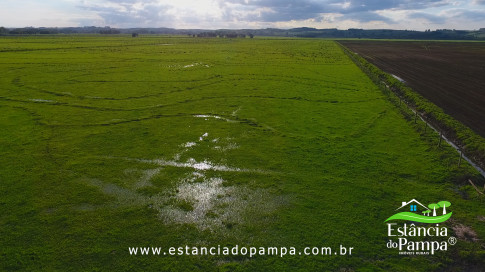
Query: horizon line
{"type": "Point", "coordinates": [215, 29]}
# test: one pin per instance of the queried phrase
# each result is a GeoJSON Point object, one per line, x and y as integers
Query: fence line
{"type": "Point", "coordinates": [389, 91]}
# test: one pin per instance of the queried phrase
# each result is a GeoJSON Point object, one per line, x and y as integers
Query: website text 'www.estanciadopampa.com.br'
{"type": "Point", "coordinates": [240, 251]}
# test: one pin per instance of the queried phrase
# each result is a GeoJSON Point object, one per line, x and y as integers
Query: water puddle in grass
{"type": "Point", "coordinates": [199, 165]}
{"type": "Point", "coordinates": [124, 196]}
{"type": "Point", "coordinates": [42, 100]}
{"type": "Point", "coordinates": [194, 197]}
{"type": "Point", "coordinates": [146, 177]}
{"type": "Point", "coordinates": [201, 138]}
{"type": "Point", "coordinates": [229, 146]}
{"type": "Point", "coordinates": [223, 145]}
{"type": "Point", "coordinates": [196, 64]}
{"type": "Point", "coordinates": [398, 78]}
{"type": "Point", "coordinates": [207, 116]}
{"type": "Point", "coordinates": [234, 113]}
{"type": "Point", "coordinates": [189, 144]}
{"type": "Point", "coordinates": [204, 164]}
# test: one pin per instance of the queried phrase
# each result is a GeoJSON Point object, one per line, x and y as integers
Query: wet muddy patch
{"type": "Point", "coordinates": [200, 192]}
{"type": "Point", "coordinates": [38, 100]}
{"type": "Point", "coordinates": [189, 144]}
{"type": "Point", "coordinates": [209, 204]}
{"type": "Point", "coordinates": [188, 65]}
{"type": "Point", "coordinates": [145, 179]}
{"type": "Point", "coordinates": [213, 116]}
{"type": "Point", "coordinates": [200, 165]}
{"type": "Point", "coordinates": [196, 64]}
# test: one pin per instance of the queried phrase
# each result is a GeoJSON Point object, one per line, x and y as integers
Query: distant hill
{"type": "Point", "coordinates": [306, 32]}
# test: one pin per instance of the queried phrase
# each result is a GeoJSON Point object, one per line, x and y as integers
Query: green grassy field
{"type": "Point", "coordinates": [114, 142]}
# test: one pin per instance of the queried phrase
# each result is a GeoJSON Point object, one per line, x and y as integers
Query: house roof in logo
{"type": "Point", "coordinates": [411, 201]}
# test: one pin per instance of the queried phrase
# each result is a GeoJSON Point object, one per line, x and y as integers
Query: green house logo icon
{"type": "Point", "coordinates": [413, 210]}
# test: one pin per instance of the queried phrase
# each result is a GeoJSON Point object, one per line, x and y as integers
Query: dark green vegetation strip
{"type": "Point", "coordinates": [110, 143]}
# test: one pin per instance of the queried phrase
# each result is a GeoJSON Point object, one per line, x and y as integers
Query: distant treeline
{"type": "Point", "coordinates": [135, 32]}
{"type": "Point", "coordinates": [222, 34]}
{"type": "Point", "coordinates": [439, 34]}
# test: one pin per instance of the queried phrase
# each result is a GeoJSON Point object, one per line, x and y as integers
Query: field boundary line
{"type": "Point", "coordinates": [466, 142]}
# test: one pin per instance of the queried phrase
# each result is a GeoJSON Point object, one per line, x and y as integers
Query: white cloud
{"type": "Point", "coordinates": [396, 14]}
{"type": "Point", "coordinates": [50, 13]}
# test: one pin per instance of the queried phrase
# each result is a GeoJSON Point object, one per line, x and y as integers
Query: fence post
{"type": "Point", "coordinates": [441, 138]}
{"type": "Point", "coordinates": [415, 116]}
{"type": "Point", "coordinates": [459, 160]}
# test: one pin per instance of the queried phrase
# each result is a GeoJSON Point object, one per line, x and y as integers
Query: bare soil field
{"type": "Point", "coordinates": [449, 74]}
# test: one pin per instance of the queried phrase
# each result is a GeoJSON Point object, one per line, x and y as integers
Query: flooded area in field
{"type": "Point", "coordinates": [205, 202]}
{"type": "Point", "coordinates": [199, 165]}
{"type": "Point", "coordinates": [208, 204]}
{"type": "Point", "coordinates": [200, 197]}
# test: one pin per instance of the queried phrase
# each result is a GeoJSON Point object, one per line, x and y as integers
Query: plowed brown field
{"type": "Point", "coordinates": [449, 74]}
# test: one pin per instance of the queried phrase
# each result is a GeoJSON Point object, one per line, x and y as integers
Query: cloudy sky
{"type": "Point", "coordinates": [214, 14]}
